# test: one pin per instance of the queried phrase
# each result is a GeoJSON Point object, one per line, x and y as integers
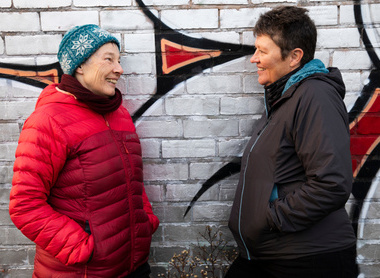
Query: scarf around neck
{"type": "Point", "coordinates": [275, 90]}
{"type": "Point", "coordinates": [99, 104]}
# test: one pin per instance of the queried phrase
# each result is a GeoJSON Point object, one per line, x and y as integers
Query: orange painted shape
{"type": "Point", "coordinates": [47, 77]}
{"type": "Point", "coordinates": [175, 56]}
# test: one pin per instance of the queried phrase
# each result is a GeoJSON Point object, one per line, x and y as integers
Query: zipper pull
{"type": "Point", "coordinates": [105, 119]}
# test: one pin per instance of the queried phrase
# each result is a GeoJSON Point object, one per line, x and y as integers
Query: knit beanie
{"type": "Point", "coordinates": [79, 43]}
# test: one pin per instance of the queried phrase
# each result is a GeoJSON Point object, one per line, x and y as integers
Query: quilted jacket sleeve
{"type": "Point", "coordinates": [40, 155]}
{"type": "Point", "coordinates": [148, 209]}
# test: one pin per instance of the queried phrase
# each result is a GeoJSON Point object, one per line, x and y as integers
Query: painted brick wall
{"type": "Point", "coordinates": [194, 128]}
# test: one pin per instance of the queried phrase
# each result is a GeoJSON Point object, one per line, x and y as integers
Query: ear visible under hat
{"type": "Point", "coordinates": [79, 43]}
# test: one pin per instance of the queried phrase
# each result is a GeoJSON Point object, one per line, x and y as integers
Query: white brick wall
{"type": "Point", "coordinates": [197, 127]}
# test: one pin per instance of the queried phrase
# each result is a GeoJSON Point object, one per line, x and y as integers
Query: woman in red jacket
{"type": "Point", "coordinates": [78, 189]}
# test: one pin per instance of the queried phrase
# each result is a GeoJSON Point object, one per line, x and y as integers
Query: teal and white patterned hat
{"type": "Point", "coordinates": [79, 43]}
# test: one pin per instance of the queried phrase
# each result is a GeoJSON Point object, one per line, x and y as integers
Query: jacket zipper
{"type": "Point", "coordinates": [242, 191]}
{"type": "Point", "coordinates": [128, 191]}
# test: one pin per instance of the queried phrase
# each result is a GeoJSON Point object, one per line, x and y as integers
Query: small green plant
{"type": "Point", "coordinates": [210, 259]}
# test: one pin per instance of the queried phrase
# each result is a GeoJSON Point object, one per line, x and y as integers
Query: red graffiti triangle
{"type": "Point", "coordinates": [175, 56]}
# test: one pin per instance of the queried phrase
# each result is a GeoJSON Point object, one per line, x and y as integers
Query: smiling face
{"type": "Point", "coordinates": [270, 64]}
{"type": "Point", "coordinates": [101, 71]}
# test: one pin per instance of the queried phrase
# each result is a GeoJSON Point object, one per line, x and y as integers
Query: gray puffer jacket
{"type": "Point", "coordinates": [299, 153]}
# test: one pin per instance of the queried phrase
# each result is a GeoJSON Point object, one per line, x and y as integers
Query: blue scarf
{"type": "Point", "coordinates": [314, 66]}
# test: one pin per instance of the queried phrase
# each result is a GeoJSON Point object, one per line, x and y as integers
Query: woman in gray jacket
{"type": "Point", "coordinates": [288, 217]}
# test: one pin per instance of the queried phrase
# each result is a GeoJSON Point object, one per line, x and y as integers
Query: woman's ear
{"type": "Point", "coordinates": [296, 57]}
{"type": "Point", "coordinates": [79, 70]}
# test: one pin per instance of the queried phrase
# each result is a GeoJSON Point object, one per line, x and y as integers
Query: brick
{"type": "Point", "coordinates": [1, 46]}
{"type": "Point", "coordinates": [343, 60]}
{"type": "Point", "coordinates": [211, 212]}
{"type": "Point", "coordinates": [165, 253]}
{"type": "Point", "coordinates": [369, 12]}
{"type": "Point", "coordinates": [9, 132]}
{"type": "Point", "coordinates": [151, 148]}
{"type": "Point", "coordinates": [18, 60]}
{"type": "Point", "coordinates": [137, 43]}
{"type": "Point", "coordinates": [232, 147]}
{"type": "Point", "coordinates": [324, 15]}
{"type": "Point", "coordinates": [186, 192]}
{"type": "Point", "coordinates": [13, 256]}
{"type": "Point", "coordinates": [138, 63]}
{"type": "Point", "coordinates": [352, 81]}
{"type": "Point", "coordinates": [154, 193]}
{"type": "Point", "coordinates": [5, 219]}
{"type": "Point", "coordinates": [373, 210]}
{"type": "Point", "coordinates": [6, 173]}
{"type": "Point", "coordinates": [6, 3]}
{"type": "Point", "coordinates": [7, 151]}
{"type": "Point", "coordinates": [33, 45]}
{"type": "Point", "coordinates": [188, 148]}
{"type": "Point", "coordinates": [4, 199]}
{"type": "Point", "coordinates": [237, 67]}
{"type": "Point", "coordinates": [65, 20]}
{"type": "Point", "coordinates": [370, 270]}
{"type": "Point", "coordinates": [371, 231]}
{"type": "Point", "coordinates": [184, 232]}
{"type": "Point", "coordinates": [240, 105]}
{"type": "Point", "coordinates": [214, 84]}
{"type": "Point", "coordinates": [41, 4]}
{"type": "Point", "coordinates": [125, 20]}
{"type": "Point", "coordinates": [102, 3]}
{"type": "Point", "coordinates": [227, 37]}
{"type": "Point", "coordinates": [159, 129]}
{"type": "Point", "coordinates": [26, 22]}
{"type": "Point", "coordinates": [251, 85]}
{"type": "Point", "coordinates": [173, 214]}
{"type": "Point", "coordinates": [22, 90]}
{"type": "Point", "coordinates": [204, 170]}
{"type": "Point", "coordinates": [200, 128]}
{"type": "Point", "coordinates": [347, 16]}
{"type": "Point", "coordinates": [219, 2]}
{"type": "Point", "coordinates": [21, 272]}
{"type": "Point", "coordinates": [191, 19]}
{"type": "Point", "coordinates": [368, 250]}
{"type": "Point", "coordinates": [12, 236]}
{"type": "Point", "coordinates": [324, 56]}
{"type": "Point", "coordinates": [192, 105]}
{"type": "Point", "coordinates": [240, 18]}
{"type": "Point", "coordinates": [228, 189]}
{"type": "Point", "coordinates": [16, 110]}
{"type": "Point", "coordinates": [246, 125]}
{"type": "Point", "coordinates": [140, 85]}
{"type": "Point", "coordinates": [164, 172]}
{"type": "Point", "coordinates": [337, 38]}
{"type": "Point", "coordinates": [164, 2]}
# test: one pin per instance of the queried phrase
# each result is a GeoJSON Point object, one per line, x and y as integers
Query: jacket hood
{"type": "Point", "coordinates": [51, 95]}
{"type": "Point", "coordinates": [315, 69]}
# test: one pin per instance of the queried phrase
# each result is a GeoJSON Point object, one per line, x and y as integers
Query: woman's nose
{"type": "Point", "coordinates": [254, 58]}
{"type": "Point", "coordinates": [118, 68]}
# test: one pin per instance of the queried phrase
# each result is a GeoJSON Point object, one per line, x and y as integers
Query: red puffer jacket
{"type": "Point", "coordinates": [78, 190]}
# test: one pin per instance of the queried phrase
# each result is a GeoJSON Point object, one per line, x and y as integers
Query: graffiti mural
{"type": "Point", "coordinates": [180, 57]}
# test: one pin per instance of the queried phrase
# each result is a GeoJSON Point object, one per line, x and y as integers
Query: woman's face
{"type": "Point", "coordinates": [101, 71]}
{"type": "Point", "coordinates": [269, 62]}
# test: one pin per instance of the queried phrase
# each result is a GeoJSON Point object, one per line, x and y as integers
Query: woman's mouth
{"type": "Point", "coordinates": [113, 81]}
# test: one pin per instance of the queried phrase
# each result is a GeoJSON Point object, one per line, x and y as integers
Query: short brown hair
{"type": "Point", "coordinates": [289, 27]}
